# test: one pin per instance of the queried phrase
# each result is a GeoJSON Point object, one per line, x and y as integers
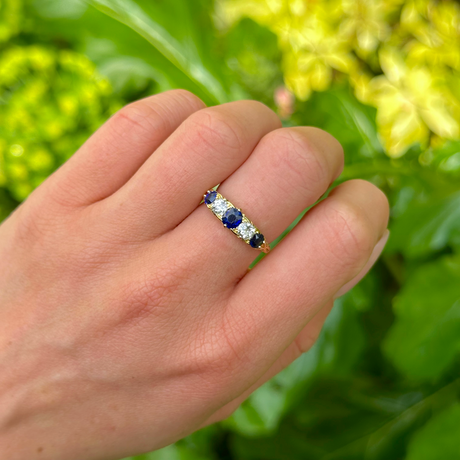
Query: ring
{"type": "Point", "coordinates": [234, 219]}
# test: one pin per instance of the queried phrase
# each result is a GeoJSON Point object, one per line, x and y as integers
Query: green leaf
{"type": "Point", "coordinates": [352, 123]}
{"type": "Point", "coordinates": [425, 338]}
{"type": "Point", "coordinates": [255, 62]}
{"type": "Point", "coordinates": [260, 414]}
{"type": "Point", "coordinates": [390, 439]}
{"type": "Point", "coordinates": [335, 416]}
{"type": "Point", "coordinates": [128, 74]}
{"type": "Point", "coordinates": [348, 420]}
{"type": "Point", "coordinates": [362, 119]}
{"type": "Point", "coordinates": [446, 157]}
{"type": "Point", "coordinates": [58, 9]}
{"type": "Point", "coordinates": [125, 57]}
{"type": "Point", "coordinates": [439, 438]}
{"type": "Point", "coordinates": [426, 228]}
{"type": "Point", "coordinates": [122, 54]}
{"type": "Point", "coordinates": [178, 32]}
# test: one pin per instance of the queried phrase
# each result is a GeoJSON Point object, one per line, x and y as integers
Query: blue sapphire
{"type": "Point", "coordinates": [210, 197]}
{"type": "Point", "coordinates": [232, 218]}
{"type": "Point", "coordinates": [257, 240]}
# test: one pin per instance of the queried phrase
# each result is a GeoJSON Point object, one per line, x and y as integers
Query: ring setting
{"type": "Point", "coordinates": [234, 219]}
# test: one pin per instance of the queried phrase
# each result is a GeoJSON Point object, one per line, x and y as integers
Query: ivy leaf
{"type": "Point", "coordinates": [425, 338]}
{"type": "Point", "coordinates": [438, 438]}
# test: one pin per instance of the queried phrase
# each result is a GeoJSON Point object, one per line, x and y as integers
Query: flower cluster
{"type": "Point", "coordinates": [50, 102]}
{"type": "Point", "coordinates": [403, 57]}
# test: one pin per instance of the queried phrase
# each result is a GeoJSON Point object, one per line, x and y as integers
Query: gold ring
{"type": "Point", "coordinates": [235, 220]}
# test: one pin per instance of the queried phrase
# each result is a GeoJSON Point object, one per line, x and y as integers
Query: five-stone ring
{"type": "Point", "coordinates": [235, 220]}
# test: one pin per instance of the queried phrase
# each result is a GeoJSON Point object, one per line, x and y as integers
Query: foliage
{"type": "Point", "coordinates": [10, 19]}
{"type": "Point", "coordinates": [382, 76]}
{"type": "Point", "coordinates": [51, 101]}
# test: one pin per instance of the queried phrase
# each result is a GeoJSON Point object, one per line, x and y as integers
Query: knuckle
{"type": "Point", "coordinates": [214, 130]}
{"type": "Point", "coordinates": [146, 120]}
{"type": "Point", "coordinates": [263, 110]}
{"type": "Point", "coordinates": [186, 98]}
{"type": "Point", "coordinates": [327, 137]}
{"type": "Point", "coordinates": [300, 160]}
{"type": "Point", "coordinates": [138, 118]}
{"type": "Point", "coordinates": [335, 157]}
{"type": "Point", "coordinates": [61, 195]}
{"type": "Point", "coordinates": [353, 233]}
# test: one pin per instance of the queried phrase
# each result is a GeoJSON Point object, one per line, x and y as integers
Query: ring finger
{"type": "Point", "coordinates": [287, 172]}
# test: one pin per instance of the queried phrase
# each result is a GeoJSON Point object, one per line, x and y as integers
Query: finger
{"type": "Point", "coordinates": [117, 150]}
{"type": "Point", "coordinates": [202, 152]}
{"type": "Point", "coordinates": [327, 249]}
{"type": "Point", "coordinates": [287, 172]}
{"type": "Point", "coordinates": [302, 343]}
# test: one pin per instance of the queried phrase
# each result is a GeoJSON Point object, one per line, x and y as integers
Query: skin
{"type": "Point", "coordinates": [128, 316]}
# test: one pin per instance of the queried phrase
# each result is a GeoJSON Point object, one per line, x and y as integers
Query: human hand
{"type": "Point", "coordinates": [128, 317]}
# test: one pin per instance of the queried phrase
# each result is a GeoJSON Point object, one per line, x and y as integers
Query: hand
{"type": "Point", "coordinates": [128, 316]}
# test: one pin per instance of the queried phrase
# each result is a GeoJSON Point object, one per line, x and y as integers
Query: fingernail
{"type": "Point", "coordinates": [373, 258]}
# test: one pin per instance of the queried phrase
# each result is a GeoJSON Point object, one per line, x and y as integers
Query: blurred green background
{"type": "Point", "coordinates": [382, 382]}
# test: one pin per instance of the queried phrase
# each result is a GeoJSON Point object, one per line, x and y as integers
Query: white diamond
{"type": "Point", "coordinates": [219, 207]}
{"type": "Point", "coordinates": [246, 230]}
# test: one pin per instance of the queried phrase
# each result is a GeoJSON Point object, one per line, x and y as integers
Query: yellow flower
{"type": "Point", "coordinates": [364, 23]}
{"type": "Point", "coordinates": [314, 51]}
{"type": "Point", "coordinates": [411, 102]}
{"type": "Point", "coordinates": [419, 56]}
{"type": "Point", "coordinates": [262, 11]}
{"type": "Point", "coordinates": [271, 13]}
{"type": "Point", "coordinates": [437, 32]}
{"type": "Point", "coordinates": [360, 81]}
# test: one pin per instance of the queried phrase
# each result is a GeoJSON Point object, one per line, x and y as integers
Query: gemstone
{"type": "Point", "coordinates": [232, 218]}
{"type": "Point", "coordinates": [246, 230]}
{"type": "Point", "coordinates": [219, 207]}
{"type": "Point", "coordinates": [257, 240]}
{"type": "Point", "coordinates": [210, 197]}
